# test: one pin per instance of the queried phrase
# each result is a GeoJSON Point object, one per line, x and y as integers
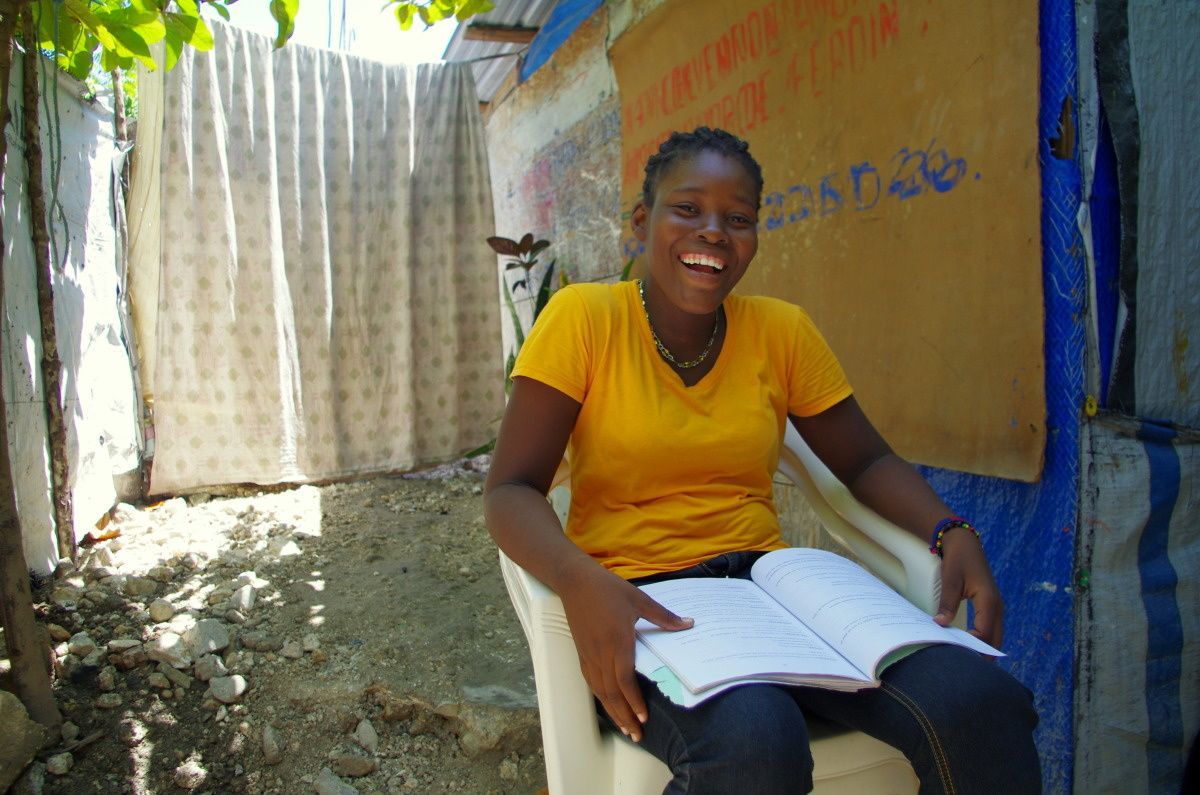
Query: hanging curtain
{"type": "Point", "coordinates": [321, 306]}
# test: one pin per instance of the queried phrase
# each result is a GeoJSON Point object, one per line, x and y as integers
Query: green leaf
{"type": "Point", "coordinates": [172, 48]}
{"type": "Point", "coordinates": [518, 333]}
{"type": "Point", "coordinates": [473, 7]}
{"type": "Point", "coordinates": [425, 15]}
{"type": "Point", "coordinates": [220, 9]}
{"type": "Point", "coordinates": [508, 368]}
{"type": "Point", "coordinates": [486, 447]}
{"type": "Point", "coordinates": [78, 64]}
{"type": "Point", "coordinates": [284, 12]}
{"type": "Point", "coordinates": [543, 296]}
{"type": "Point", "coordinates": [190, 30]}
{"type": "Point", "coordinates": [147, 25]}
{"type": "Point", "coordinates": [108, 61]}
{"type": "Point", "coordinates": [81, 11]}
{"type": "Point", "coordinates": [134, 45]}
{"type": "Point", "coordinates": [404, 15]}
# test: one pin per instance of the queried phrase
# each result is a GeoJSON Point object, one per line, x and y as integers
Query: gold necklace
{"type": "Point", "coordinates": [662, 349]}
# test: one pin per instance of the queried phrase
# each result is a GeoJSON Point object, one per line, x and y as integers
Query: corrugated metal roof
{"type": "Point", "coordinates": [491, 73]}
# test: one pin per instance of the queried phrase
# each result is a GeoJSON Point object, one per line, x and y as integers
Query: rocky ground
{"type": "Point", "coordinates": [353, 637]}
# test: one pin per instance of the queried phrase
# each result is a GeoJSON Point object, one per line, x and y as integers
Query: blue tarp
{"type": "Point", "coordinates": [566, 16]}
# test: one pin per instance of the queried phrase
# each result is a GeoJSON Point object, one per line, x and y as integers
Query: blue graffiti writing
{"type": "Point", "coordinates": [914, 172]}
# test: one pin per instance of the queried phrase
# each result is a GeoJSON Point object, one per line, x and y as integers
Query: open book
{"type": "Point", "coordinates": [807, 617]}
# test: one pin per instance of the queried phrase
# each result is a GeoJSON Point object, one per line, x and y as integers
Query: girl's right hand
{"type": "Point", "coordinates": [601, 610]}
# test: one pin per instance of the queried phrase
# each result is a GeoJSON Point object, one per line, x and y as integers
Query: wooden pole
{"type": "Point", "coordinates": [27, 647]}
{"type": "Point", "coordinates": [56, 427]}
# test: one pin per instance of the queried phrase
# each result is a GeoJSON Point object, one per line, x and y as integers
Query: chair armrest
{"type": "Point", "coordinates": [896, 556]}
{"type": "Point", "coordinates": [570, 730]}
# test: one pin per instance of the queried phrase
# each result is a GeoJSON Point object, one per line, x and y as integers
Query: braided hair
{"type": "Point", "coordinates": [681, 145]}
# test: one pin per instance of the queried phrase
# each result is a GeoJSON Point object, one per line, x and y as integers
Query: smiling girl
{"type": "Point", "coordinates": [670, 396]}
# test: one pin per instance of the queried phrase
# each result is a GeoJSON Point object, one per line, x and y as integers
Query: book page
{"type": "Point", "coordinates": [649, 665]}
{"type": "Point", "coordinates": [738, 632]}
{"type": "Point", "coordinates": [851, 608]}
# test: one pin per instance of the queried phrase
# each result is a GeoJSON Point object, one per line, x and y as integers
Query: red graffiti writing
{"type": "Point", "coordinates": [847, 48]}
{"type": "Point", "coordinates": [738, 111]}
{"type": "Point", "coordinates": [753, 37]}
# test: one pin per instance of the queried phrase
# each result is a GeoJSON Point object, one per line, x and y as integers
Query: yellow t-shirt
{"type": "Point", "coordinates": [665, 476]}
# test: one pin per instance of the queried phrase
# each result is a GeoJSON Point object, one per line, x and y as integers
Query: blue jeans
{"type": "Point", "coordinates": [964, 724]}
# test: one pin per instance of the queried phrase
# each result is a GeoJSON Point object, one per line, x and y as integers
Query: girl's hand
{"type": "Point", "coordinates": [966, 574]}
{"type": "Point", "coordinates": [601, 610]}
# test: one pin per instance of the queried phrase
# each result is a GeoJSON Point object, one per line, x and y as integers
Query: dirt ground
{"type": "Point", "coordinates": [352, 637]}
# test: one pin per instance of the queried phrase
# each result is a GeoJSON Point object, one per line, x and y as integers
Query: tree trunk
{"type": "Point", "coordinates": [60, 491]}
{"type": "Point", "coordinates": [26, 644]}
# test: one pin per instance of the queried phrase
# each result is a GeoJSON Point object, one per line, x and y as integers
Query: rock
{"type": "Point", "coordinates": [108, 701]}
{"type": "Point", "coordinates": [115, 582]}
{"type": "Point", "coordinates": [508, 770]}
{"type": "Point", "coordinates": [69, 731]}
{"type": "Point", "coordinates": [311, 642]}
{"type": "Point", "coordinates": [235, 616]}
{"type": "Point", "coordinates": [283, 548]}
{"type": "Point", "coordinates": [292, 650]}
{"type": "Point", "coordinates": [366, 736]}
{"type": "Point", "coordinates": [123, 645]}
{"type": "Point", "coordinates": [158, 681]}
{"type": "Point", "coordinates": [251, 578]}
{"type": "Point", "coordinates": [68, 666]}
{"type": "Point", "coordinates": [208, 667]}
{"type": "Point", "coordinates": [163, 574]}
{"type": "Point", "coordinates": [177, 677]}
{"type": "Point", "coordinates": [190, 775]}
{"type": "Point", "coordinates": [218, 595]}
{"type": "Point", "coordinates": [94, 659]}
{"type": "Point", "coordinates": [227, 689]}
{"type": "Point", "coordinates": [81, 644]}
{"type": "Point", "coordinates": [353, 765]}
{"type": "Point", "coordinates": [327, 783]}
{"type": "Point", "coordinates": [66, 597]}
{"type": "Point", "coordinates": [169, 648]}
{"type": "Point", "coordinates": [272, 745]}
{"type": "Point", "coordinates": [138, 587]}
{"type": "Point", "coordinates": [161, 610]}
{"type": "Point", "coordinates": [32, 782]}
{"type": "Point", "coordinates": [239, 662]}
{"type": "Point", "coordinates": [58, 633]}
{"type": "Point", "coordinates": [243, 598]}
{"type": "Point", "coordinates": [484, 728]}
{"type": "Point", "coordinates": [260, 641]}
{"type": "Point", "coordinates": [208, 635]}
{"type": "Point", "coordinates": [107, 680]}
{"type": "Point", "coordinates": [60, 764]}
{"type": "Point", "coordinates": [22, 738]}
{"type": "Point", "coordinates": [131, 658]}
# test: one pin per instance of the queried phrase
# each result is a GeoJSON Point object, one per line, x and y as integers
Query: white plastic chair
{"type": "Point", "coordinates": [582, 759]}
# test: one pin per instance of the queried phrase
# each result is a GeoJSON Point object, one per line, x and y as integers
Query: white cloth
{"type": "Point", "coordinates": [100, 406]}
{"type": "Point", "coordinates": [326, 302]}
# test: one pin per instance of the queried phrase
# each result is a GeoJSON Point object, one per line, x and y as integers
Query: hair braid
{"type": "Point", "coordinates": [703, 139]}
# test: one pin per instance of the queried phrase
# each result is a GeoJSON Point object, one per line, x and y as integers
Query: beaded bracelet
{"type": "Point", "coordinates": [947, 524]}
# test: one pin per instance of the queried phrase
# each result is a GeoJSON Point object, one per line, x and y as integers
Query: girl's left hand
{"type": "Point", "coordinates": [966, 575]}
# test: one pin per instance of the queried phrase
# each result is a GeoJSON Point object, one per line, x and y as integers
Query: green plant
{"type": "Point", "coordinates": [524, 255]}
